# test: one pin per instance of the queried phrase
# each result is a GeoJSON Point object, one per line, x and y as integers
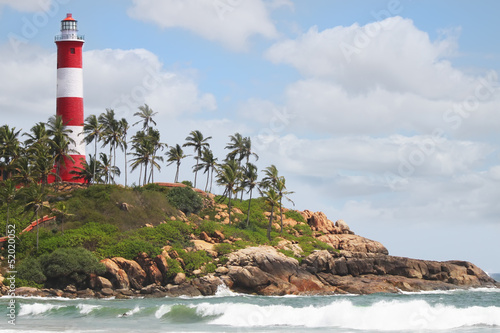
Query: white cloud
{"type": "Point", "coordinates": [391, 54]}
{"type": "Point", "coordinates": [120, 79]}
{"type": "Point", "coordinates": [26, 5]}
{"type": "Point", "coordinates": [231, 23]}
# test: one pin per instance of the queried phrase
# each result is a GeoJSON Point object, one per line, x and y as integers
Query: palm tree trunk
{"type": "Point", "coordinates": [37, 224]}
{"type": "Point", "coordinates": [125, 167]}
{"type": "Point", "coordinates": [208, 176]}
{"type": "Point", "coordinates": [145, 173]}
{"type": "Point", "coordinates": [281, 214]}
{"type": "Point", "coordinates": [248, 211]}
{"type": "Point", "coordinates": [211, 179]}
{"type": "Point", "coordinates": [7, 222]}
{"type": "Point", "coordinates": [196, 172]}
{"type": "Point", "coordinates": [177, 173]}
{"type": "Point", "coordinates": [140, 175]}
{"type": "Point", "coordinates": [270, 223]}
{"type": "Point", "coordinates": [95, 160]}
{"type": "Point", "coordinates": [229, 205]}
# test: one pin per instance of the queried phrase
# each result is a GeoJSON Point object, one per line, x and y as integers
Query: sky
{"type": "Point", "coordinates": [380, 113]}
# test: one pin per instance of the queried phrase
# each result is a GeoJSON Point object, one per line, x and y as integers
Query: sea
{"type": "Point", "coordinates": [475, 310]}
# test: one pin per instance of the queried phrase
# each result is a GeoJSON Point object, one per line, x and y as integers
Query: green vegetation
{"type": "Point", "coordinates": [185, 199]}
{"type": "Point", "coordinates": [105, 220]}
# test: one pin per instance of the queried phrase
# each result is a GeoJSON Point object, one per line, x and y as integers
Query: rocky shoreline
{"type": "Point", "coordinates": [265, 271]}
{"type": "Point", "coordinates": [357, 266]}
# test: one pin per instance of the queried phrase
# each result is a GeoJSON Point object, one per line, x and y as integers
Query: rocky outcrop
{"type": "Point", "coordinates": [339, 235]}
{"type": "Point", "coordinates": [268, 272]}
{"type": "Point", "coordinates": [265, 271]}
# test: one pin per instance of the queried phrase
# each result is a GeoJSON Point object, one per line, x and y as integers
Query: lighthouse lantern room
{"type": "Point", "coordinates": [69, 103]}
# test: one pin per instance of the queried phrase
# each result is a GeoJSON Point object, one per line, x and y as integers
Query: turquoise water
{"type": "Point", "coordinates": [446, 311]}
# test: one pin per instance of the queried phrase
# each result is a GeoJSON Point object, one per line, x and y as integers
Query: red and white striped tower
{"type": "Point", "coordinates": [70, 91]}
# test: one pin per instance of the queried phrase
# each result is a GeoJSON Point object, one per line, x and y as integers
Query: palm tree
{"type": "Point", "coordinates": [208, 163]}
{"type": "Point", "coordinates": [249, 181]}
{"type": "Point", "coordinates": [228, 176]}
{"type": "Point", "coordinates": [146, 113]}
{"type": "Point", "coordinates": [272, 199]}
{"type": "Point", "coordinates": [108, 170]}
{"type": "Point", "coordinates": [282, 193]}
{"type": "Point", "coordinates": [112, 134]}
{"type": "Point", "coordinates": [270, 177]}
{"type": "Point", "coordinates": [123, 142]}
{"type": "Point", "coordinates": [10, 149]}
{"type": "Point", "coordinates": [175, 154]}
{"type": "Point", "coordinates": [93, 131]}
{"type": "Point", "coordinates": [273, 180]}
{"type": "Point", "coordinates": [141, 151]}
{"type": "Point", "coordinates": [23, 170]}
{"type": "Point", "coordinates": [198, 142]}
{"type": "Point", "coordinates": [43, 164]}
{"type": "Point", "coordinates": [34, 196]}
{"type": "Point", "coordinates": [38, 136]}
{"type": "Point", "coordinates": [247, 149]}
{"type": "Point", "coordinates": [60, 143]}
{"type": "Point", "coordinates": [154, 137]}
{"type": "Point", "coordinates": [90, 172]}
{"type": "Point", "coordinates": [8, 193]}
{"type": "Point", "coordinates": [236, 147]}
{"type": "Point", "coordinates": [61, 212]}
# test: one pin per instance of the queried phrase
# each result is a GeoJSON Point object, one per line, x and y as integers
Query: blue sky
{"type": "Point", "coordinates": [381, 113]}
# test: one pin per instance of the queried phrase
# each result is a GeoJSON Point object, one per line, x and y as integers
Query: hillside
{"type": "Point", "coordinates": [108, 240]}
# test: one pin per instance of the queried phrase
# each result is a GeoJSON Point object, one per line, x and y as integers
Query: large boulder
{"type": "Point", "coordinates": [136, 275]}
{"type": "Point", "coordinates": [353, 243]}
{"type": "Point", "coordinates": [319, 222]}
{"type": "Point", "coordinates": [266, 271]}
{"type": "Point", "coordinates": [153, 273]}
{"type": "Point", "coordinates": [116, 275]}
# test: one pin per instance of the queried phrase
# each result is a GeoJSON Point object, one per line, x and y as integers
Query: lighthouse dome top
{"type": "Point", "coordinates": [69, 30]}
{"type": "Point", "coordinates": [69, 17]}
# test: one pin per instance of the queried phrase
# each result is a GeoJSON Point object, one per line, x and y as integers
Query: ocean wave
{"type": "Point", "coordinates": [382, 315]}
{"type": "Point", "coordinates": [37, 309]}
{"type": "Point", "coordinates": [451, 291]}
{"type": "Point", "coordinates": [87, 308]}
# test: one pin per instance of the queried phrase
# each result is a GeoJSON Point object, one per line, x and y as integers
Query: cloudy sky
{"type": "Point", "coordinates": [381, 113]}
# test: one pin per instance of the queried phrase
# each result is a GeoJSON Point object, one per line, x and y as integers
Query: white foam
{"type": "Point", "coordinates": [163, 310]}
{"type": "Point", "coordinates": [37, 308]}
{"type": "Point", "coordinates": [133, 311]}
{"type": "Point", "coordinates": [383, 315]}
{"type": "Point", "coordinates": [87, 308]}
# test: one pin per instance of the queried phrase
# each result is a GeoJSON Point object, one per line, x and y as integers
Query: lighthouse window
{"type": "Point", "coordinates": [72, 50]}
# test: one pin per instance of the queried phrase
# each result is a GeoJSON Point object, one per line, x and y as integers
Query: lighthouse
{"type": "Point", "coordinates": [69, 103]}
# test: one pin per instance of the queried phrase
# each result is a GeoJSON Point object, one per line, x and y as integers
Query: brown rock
{"type": "Point", "coordinates": [179, 278]}
{"type": "Point", "coordinates": [205, 237]}
{"type": "Point", "coordinates": [319, 222]}
{"type": "Point", "coordinates": [353, 243]}
{"type": "Point", "coordinates": [115, 274]}
{"type": "Point", "coordinates": [104, 283]}
{"type": "Point", "coordinates": [135, 273]}
{"type": "Point", "coordinates": [201, 245]}
{"type": "Point", "coordinates": [219, 235]}
{"type": "Point", "coordinates": [153, 273]}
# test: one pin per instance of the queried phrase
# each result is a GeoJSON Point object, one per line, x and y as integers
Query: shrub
{"type": "Point", "coordinates": [194, 260]}
{"type": "Point", "coordinates": [30, 271]}
{"type": "Point", "coordinates": [293, 214]}
{"type": "Point", "coordinates": [185, 199]}
{"type": "Point", "coordinates": [209, 227]}
{"type": "Point", "coordinates": [129, 248]}
{"type": "Point", "coordinates": [303, 229]}
{"type": "Point", "coordinates": [210, 268]}
{"type": "Point", "coordinates": [174, 267]}
{"type": "Point", "coordinates": [224, 248]}
{"type": "Point", "coordinates": [69, 266]}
